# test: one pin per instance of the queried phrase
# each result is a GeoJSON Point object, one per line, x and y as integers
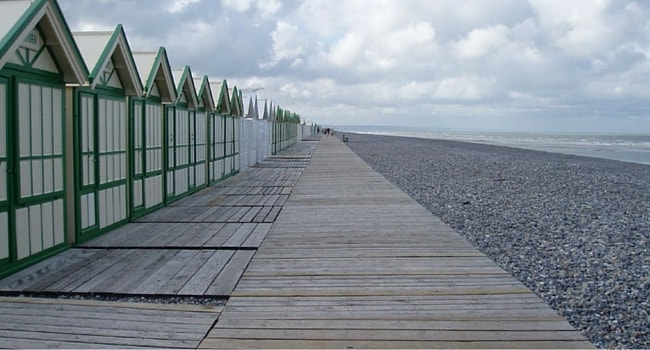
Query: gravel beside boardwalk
{"type": "Point", "coordinates": [573, 229]}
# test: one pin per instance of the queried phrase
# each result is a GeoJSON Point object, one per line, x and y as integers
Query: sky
{"type": "Point", "coordinates": [502, 65]}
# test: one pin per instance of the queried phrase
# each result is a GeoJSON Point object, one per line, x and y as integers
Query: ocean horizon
{"type": "Point", "coordinates": [626, 147]}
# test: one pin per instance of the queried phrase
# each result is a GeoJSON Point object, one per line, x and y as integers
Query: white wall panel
{"type": "Point", "coordinates": [138, 199]}
{"type": "Point", "coordinates": [35, 229]}
{"type": "Point", "coordinates": [102, 208]}
{"type": "Point", "coordinates": [22, 233]}
{"type": "Point", "coordinates": [153, 191]}
{"type": "Point", "coordinates": [47, 225]}
{"type": "Point", "coordinates": [58, 174]}
{"type": "Point", "coordinates": [37, 177]}
{"type": "Point", "coordinates": [57, 121]}
{"type": "Point", "coordinates": [4, 235]}
{"type": "Point", "coordinates": [58, 214]}
{"type": "Point", "coordinates": [24, 111]}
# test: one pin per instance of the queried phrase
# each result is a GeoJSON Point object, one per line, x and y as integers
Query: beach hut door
{"type": "Point", "coordinates": [4, 205]}
{"type": "Point", "coordinates": [89, 162]}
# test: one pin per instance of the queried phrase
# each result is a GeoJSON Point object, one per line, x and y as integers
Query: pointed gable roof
{"type": "Point", "coordinates": [18, 18]}
{"type": "Point", "coordinates": [222, 97]}
{"type": "Point", "coordinates": [185, 85]}
{"type": "Point", "coordinates": [101, 49]}
{"type": "Point", "coordinates": [205, 97]}
{"type": "Point", "coordinates": [271, 111]}
{"type": "Point", "coordinates": [250, 110]}
{"type": "Point", "coordinates": [155, 70]}
{"type": "Point", "coordinates": [235, 103]}
{"type": "Point", "coordinates": [262, 110]}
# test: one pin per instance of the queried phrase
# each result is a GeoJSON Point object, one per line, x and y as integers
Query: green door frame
{"type": "Point", "coordinates": [93, 189]}
{"type": "Point", "coordinates": [11, 76]}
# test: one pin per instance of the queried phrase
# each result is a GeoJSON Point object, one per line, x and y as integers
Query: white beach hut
{"type": "Point", "coordinates": [101, 131]}
{"type": "Point", "coordinates": [232, 127]}
{"type": "Point", "coordinates": [199, 143]}
{"type": "Point", "coordinates": [178, 135]}
{"type": "Point", "coordinates": [217, 131]}
{"type": "Point", "coordinates": [146, 131]}
{"type": "Point", "coordinates": [38, 57]}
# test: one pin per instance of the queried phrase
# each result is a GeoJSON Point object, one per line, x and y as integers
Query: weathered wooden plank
{"type": "Point", "coordinates": [176, 283]}
{"type": "Point", "coordinates": [78, 275]}
{"type": "Point", "coordinates": [223, 235]}
{"type": "Point", "coordinates": [49, 271]}
{"type": "Point", "coordinates": [157, 280]}
{"type": "Point", "coordinates": [384, 324]}
{"type": "Point", "coordinates": [91, 340]}
{"type": "Point", "coordinates": [207, 234]}
{"type": "Point", "coordinates": [229, 277]}
{"type": "Point", "coordinates": [240, 236]}
{"type": "Point", "coordinates": [396, 334]}
{"type": "Point", "coordinates": [203, 278]}
{"type": "Point", "coordinates": [257, 236]}
{"type": "Point", "coordinates": [233, 343]}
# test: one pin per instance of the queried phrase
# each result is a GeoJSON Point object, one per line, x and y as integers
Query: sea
{"type": "Point", "coordinates": [634, 148]}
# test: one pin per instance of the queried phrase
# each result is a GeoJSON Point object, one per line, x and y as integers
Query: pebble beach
{"type": "Point", "coordinates": [575, 230]}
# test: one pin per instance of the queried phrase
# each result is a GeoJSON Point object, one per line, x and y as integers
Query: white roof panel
{"type": "Point", "coordinates": [91, 45]}
{"type": "Point", "coordinates": [144, 60]}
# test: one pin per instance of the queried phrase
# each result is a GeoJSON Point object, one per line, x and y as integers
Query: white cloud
{"type": "Point", "coordinates": [410, 37]}
{"type": "Point", "coordinates": [582, 28]}
{"type": "Point", "coordinates": [237, 5]}
{"type": "Point", "coordinates": [462, 88]}
{"type": "Point", "coordinates": [360, 61]}
{"type": "Point", "coordinates": [180, 5]}
{"type": "Point", "coordinates": [287, 45]}
{"type": "Point", "coordinates": [479, 42]}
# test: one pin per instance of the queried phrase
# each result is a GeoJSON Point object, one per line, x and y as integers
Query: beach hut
{"type": "Point", "coordinates": [217, 133]}
{"type": "Point", "coordinates": [146, 154]}
{"type": "Point", "coordinates": [249, 129]}
{"type": "Point", "coordinates": [178, 135]}
{"type": "Point", "coordinates": [232, 127]}
{"type": "Point", "coordinates": [199, 146]}
{"type": "Point", "coordinates": [38, 57]}
{"type": "Point", "coordinates": [264, 131]}
{"type": "Point", "coordinates": [101, 141]}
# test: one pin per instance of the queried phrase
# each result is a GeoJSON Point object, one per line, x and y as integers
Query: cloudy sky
{"type": "Point", "coordinates": [547, 65]}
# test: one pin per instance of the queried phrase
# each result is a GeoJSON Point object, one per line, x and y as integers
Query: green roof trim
{"type": "Point", "coordinates": [116, 48]}
{"type": "Point", "coordinates": [154, 68]}
{"type": "Point", "coordinates": [185, 84]}
{"type": "Point", "coordinates": [222, 103]}
{"type": "Point", "coordinates": [47, 16]}
{"type": "Point", "coordinates": [205, 97]}
{"type": "Point", "coordinates": [235, 104]}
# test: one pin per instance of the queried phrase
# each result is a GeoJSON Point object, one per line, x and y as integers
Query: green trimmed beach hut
{"type": "Point", "coordinates": [199, 140]}
{"type": "Point", "coordinates": [217, 132]}
{"type": "Point", "coordinates": [178, 133]}
{"type": "Point", "coordinates": [232, 134]}
{"type": "Point", "coordinates": [38, 57]}
{"type": "Point", "coordinates": [147, 180]}
{"type": "Point", "coordinates": [101, 142]}
{"type": "Point", "coordinates": [264, 132]}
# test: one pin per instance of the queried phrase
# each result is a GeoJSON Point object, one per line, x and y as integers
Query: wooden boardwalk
{"type": "Point", "coordinates": [320, 253]}
{"type": "Point", "coordinates": [353, 262]}
{"type": "Point", "coordinates": [196, 248]}
{"type": "Point", "coordinates": [84, 324]}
